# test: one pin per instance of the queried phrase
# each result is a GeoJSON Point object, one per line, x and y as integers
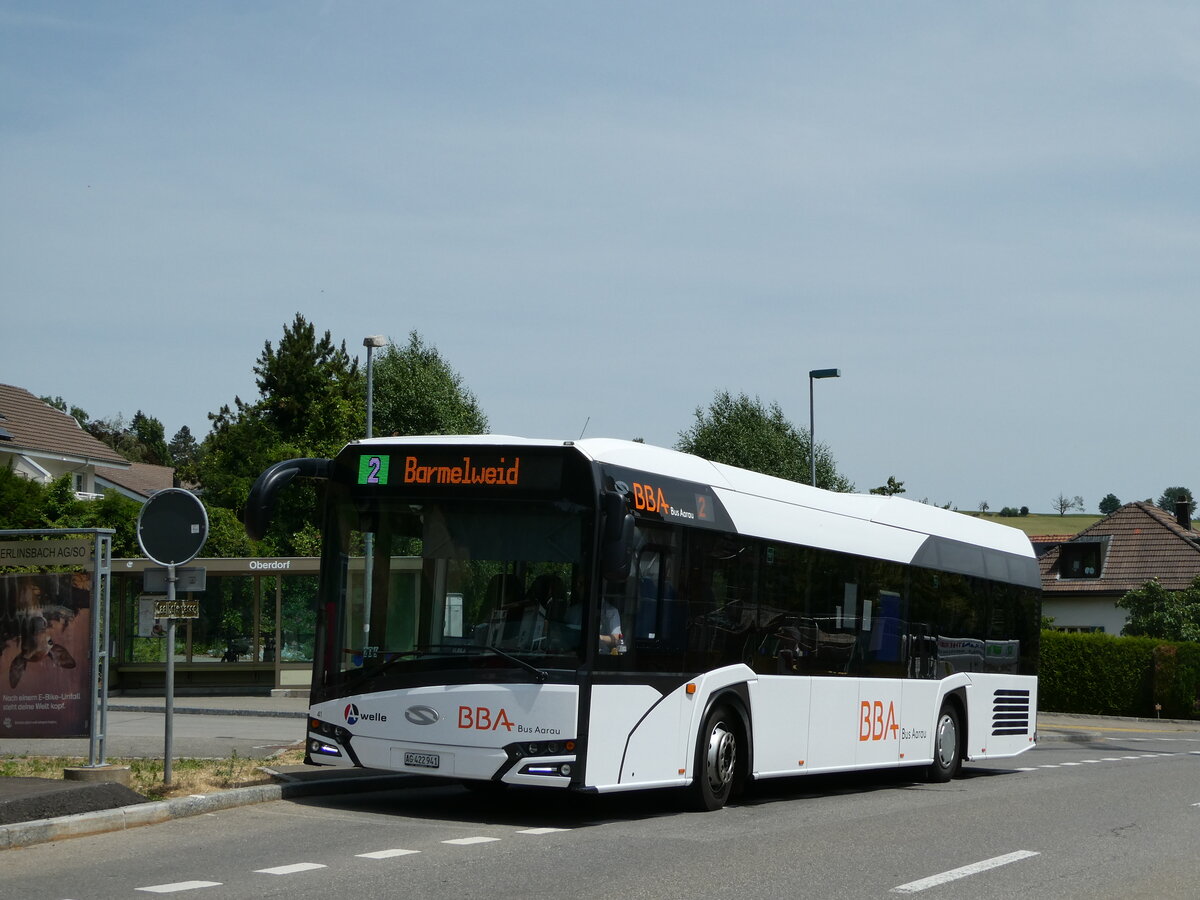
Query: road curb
{"type": "Point", "coordinates": [40, 831]}
{"type": "Point", "coordinates": [208, 711]}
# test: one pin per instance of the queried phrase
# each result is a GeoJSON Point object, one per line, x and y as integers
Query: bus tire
{"type": "Point", "coordinates": [718, 750]}
{"type": "Point", "coordinates": [947, 745]}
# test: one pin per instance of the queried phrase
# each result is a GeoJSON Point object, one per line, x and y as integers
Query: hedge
{"type": "Point", "coordinates": [1100, 674]}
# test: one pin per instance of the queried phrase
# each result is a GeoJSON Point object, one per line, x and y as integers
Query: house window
{"type": "Point", "coordinates": [1081, 559]}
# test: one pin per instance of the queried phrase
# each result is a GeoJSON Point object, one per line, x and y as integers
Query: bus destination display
{"type": "Point", "coordinates": [425, 470]}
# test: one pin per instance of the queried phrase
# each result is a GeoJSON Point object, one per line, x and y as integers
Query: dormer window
{"type": "Point", "coordinates": [1081, 559]}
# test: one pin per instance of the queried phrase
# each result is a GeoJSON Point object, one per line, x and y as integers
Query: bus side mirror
{"type": "Point", "coordinates": [617, 550]}
{"type": "Point", "coordinates": [261, 503]}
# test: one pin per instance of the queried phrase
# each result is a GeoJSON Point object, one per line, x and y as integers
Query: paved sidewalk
{"type": "Point", "coordinates": [84, 808]}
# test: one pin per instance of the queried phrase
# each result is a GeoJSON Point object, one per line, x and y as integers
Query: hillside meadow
{"type": "Point", "coordinates": [1043, 523]}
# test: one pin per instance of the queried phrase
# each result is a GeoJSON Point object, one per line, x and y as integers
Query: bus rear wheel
{"type": "Point", "coordinates": [717, 759]}
{"type": "Point", "coordinates": [947, 755]}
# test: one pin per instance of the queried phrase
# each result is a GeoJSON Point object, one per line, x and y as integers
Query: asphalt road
{"type": "Point", "coordinates": [1112, 817]}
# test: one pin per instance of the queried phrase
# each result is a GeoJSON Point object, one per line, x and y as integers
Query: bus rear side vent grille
{"type": "Point", "coordinates": [1010, 712]}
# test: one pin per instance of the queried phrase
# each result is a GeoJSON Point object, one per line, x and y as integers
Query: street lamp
{"type": "Point", "coordinates": [371, 341]}
{"type": "Point", "coordinates": [813, 375]}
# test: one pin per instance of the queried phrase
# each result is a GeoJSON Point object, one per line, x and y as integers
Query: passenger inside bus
{"type": "Point", "coordinates": [611, 636]}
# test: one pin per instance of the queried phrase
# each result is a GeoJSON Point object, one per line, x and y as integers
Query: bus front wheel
{"type": "Point", "coordinates": [717, 759]}
{"type": "Point", "coordinates": [947, 755]}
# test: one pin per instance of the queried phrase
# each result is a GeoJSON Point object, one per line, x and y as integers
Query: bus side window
{"type": "Point", "coordinates": [661, 617]}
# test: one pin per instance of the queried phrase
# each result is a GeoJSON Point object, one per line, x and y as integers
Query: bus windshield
{"type": "Point", "coordinates": [434, 587]}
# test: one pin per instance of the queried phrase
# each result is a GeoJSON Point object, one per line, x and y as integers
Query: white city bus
{"type": "Point", "coordinates": [600, 615]}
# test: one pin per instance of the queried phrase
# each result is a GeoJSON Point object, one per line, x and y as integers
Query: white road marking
{"type": "Point", "coordinates": [386, 854]}
{"type": "Point", "coordinates": [178, 886]}
{"type": "Point", "coordinates": [914, 887]}
{"type": "Point", "coordinates": [292, 869]}
{"type": "Point", "coordinates": [462, 842]}
{"type": "Point", "coordinates": [541, 830]}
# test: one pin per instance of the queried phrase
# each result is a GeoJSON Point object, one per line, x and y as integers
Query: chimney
{"type": "Point", "coordinates": [1183, 514]}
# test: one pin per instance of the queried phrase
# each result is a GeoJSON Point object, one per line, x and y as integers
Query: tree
{"type": "Point", "coordinates": [311, 403]}
{"type": "Point", "coordinates": [892, 487]}
{"type": "Point", "coordinates": [742, 432]}
{"type": "Point", "coordinates": [184, 450]}
{"type": "Point", "coordinates": [302, 371]}
{"type": "Point", "coordinates": [21, 501]}
{"type": "Point", "coordinates": [1173, 495]}
{"type": "Point", "coordinates": [1158, 613]}
{"type": "Point", "coordinates": [139, 440]}
{"type": "Point", "coordinates": [417, 392]}
{"type": "Point", "coordinates": [1110, 504]}
{"type": "Point", "coordinates": [60, 508]}
{"type": "Point", "coordinates": [151, 438]}
{"type": "Point", "coordinates": [1064, 505]}
{"type": "Point", "coordinates": [984, 506]}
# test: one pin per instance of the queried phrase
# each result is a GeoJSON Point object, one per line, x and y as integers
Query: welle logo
{"type": "Point", "coordinates": [353, 716]}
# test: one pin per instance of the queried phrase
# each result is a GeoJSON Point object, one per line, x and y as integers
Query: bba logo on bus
{"type": "Point", "coordinates": [874, 724]}
{"type": "Point", "coordinates": [353, 715]}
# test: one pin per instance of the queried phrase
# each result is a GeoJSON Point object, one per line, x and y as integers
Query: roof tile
{"type": "Point", "coordinates": [39, 429]}
{"type": "Point", "coordinates": [1142, 542]}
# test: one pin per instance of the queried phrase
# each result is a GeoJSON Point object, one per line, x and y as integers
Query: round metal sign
{"type": "Point", "coordinates": [172, 527]}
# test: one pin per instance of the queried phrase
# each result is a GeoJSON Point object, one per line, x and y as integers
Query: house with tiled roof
{"type": "Point", "coordinates": [42, 443]}
{"type": "Point", "coordinates": [1084, 577]}
{"type": "Point", "coordinates": [138, 482]}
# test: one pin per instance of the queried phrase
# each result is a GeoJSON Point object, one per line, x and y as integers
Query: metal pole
{"type": "Point", "coordinates": [98, 705]}
{"type": "Point", "coordinates": [370, 391]}
{"type": "Point", "coordinates": [101, 646]}
{"type": "Point", "coordinates": [106, 575]}
{"type": "Point", "coordinates": [812, 437]}
{"type": "Point", "coordinates": [369, 538]}
{"type": "Point", "coordinates": [170, 687]}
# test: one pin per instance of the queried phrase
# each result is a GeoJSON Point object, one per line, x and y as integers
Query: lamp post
{"type": "Point", "coordinates": [370, 342]}
{"type": "Point", "coordinates": [813, 375]}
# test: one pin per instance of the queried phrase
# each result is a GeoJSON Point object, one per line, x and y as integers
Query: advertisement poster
{"type": "Point", "coordinates": [45, 655]}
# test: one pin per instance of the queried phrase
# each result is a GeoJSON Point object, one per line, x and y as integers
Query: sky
{"type": "Point", "coordinates": [986, 215]}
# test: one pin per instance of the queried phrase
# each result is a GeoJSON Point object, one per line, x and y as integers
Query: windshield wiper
{"type": "Point", "coordinates": [450, 650]}
{"type": "Point", "coordinates": [539, 674]}
{"type": "Point", "coordinates": [396, 656]}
